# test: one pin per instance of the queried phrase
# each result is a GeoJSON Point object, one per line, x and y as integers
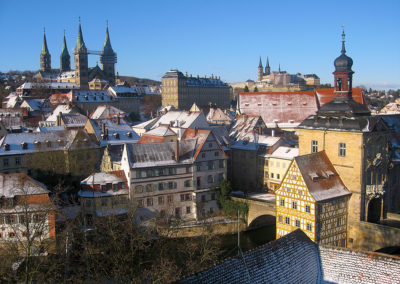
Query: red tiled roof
{"type": "Point", "coordinates": [150, 139]}
{"type": "Point", "coordinates": [279, 107]}
{"type": "Point", "coordinates": [326, 95]}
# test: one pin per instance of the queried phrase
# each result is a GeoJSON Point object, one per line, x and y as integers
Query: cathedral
{"type": "Point", "coordinates": [83, 76]}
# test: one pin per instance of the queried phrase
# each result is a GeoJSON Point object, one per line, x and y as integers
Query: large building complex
{"type": "Point", "coordinates": [181, 91]}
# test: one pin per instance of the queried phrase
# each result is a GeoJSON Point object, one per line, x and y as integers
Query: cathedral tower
{"type": "Point", "coordinates": [81, 62]}
{"type": "Point", "coordinates": [108, 58]}
{"type": "Point", "coordinates": [65, 63]}
{"type": "Point", "coordinates": [267, 68]}
{"type": "Point", "coordinates": [45, 57]}
{"type": "Point", "coordinates": [260, 70]}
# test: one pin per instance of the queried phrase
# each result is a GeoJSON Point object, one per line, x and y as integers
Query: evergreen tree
{"type": "Point", "coordinates": [246, 89]}
{"type": "Point", "coordinates": [255, 89]}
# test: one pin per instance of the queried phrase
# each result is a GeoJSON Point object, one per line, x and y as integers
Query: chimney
{"type": "Point", "coordinates": [196, 130]}
{"type": "Point", "coordinates": [259, 131]}
{"type": "Point", "coordinates": [244, 117]}
{"type": "Point", "coordinates": [177, 150]}
{"type": "Point", "coordinates": [58, 121]}
{"type": "Point", "coordinates": [118, 120]}
{"type": "Point", "coordinates": [103, 128]}
{"type": "Point", "coordinates": [273, 132]}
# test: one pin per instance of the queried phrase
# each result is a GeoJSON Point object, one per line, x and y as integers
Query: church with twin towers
{"type": "Point", "coordinates": [83, 76]}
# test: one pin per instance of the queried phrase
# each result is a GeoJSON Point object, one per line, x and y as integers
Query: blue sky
{"type": "Point", "coordinates": [224, 38]}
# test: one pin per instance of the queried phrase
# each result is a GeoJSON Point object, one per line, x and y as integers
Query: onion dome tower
{"type": "Point", "coordinates": [81, 62]}
{"type": "Point", "coordinates": [65, 59]}
{"type": "Point", "coordinates": [108, 58]}
{"type": "Point", "coordinates": [45, 57]}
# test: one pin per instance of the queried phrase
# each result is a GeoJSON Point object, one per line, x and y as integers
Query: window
{"type": "Point", "coordinates": [138, 188]}
{"type": "Point", "coordinates": [210, 145]}
{"type": "Point", "coordinates": [309, 227]}
{"type": "Point", "coordinates": [203, 155]}
{"type": "Point", "coordinates": [339, 221]}
{"type": "Point", "coordinates": [188, 210]}
{"type": "Point", "coordinates": [287, 220]}
{"type": "Point", "coordinates": [272, 175]}
{"type": "Point", "coordinates": [177, 212]}
{"type": "Point", "coordinates": [182, 197]}
{"type": "Point", "coordinates": [161, 186]}
{"type": "Point", "coordinates": [17, 161]}
{"type": "Point", "coordinates": [138, 174]}
{"type": "Point", "coordinates": [188, 169]}
{"type": "Point", "coordinates": [300, 192]}
{"type": "Point", "coordinates": [140, 203]}
{"type": "Point", "coordinates": [294, 205]}
{"type": "Point", "coordinates": [221, 164]}
{"type": "Point", "coordinates": [211, 210]}
{"type": "Point", "coordinates": [149, 201]}
{"type": "Point", "coordinates": [11, 235]}
{"type": "Point", "coordinates": [213, 196]}
{"type": "Point", "coordinates": [210, 165]}
{"type": "Point", "coordinates": [282, 202]}
{"type": "Point", "coordinates": [280, 218]}
{"type": "Point", "coordinates": [266, 174]}
{"type": "Point", "coordinates": [342, 149]}
{"type": "Point", "coordinates": [187, 183]}
{"type": "Point", "coordinates": [216, 154]}
{"type": "Point", "coordinates": [314, 146]}
{"type": "Point", "coordinates": [149, 188]}
{"type": "Point", "coordinates": [319, 208]}
{"type": "Point", "coordinates": [278, 176]}
{"type": "Point", "coordinates": [198, 167]}
{"type": "Point", "coordinates": [5, 162]}
{"type": "Point", "coordinates": [298, 223]}
{"type": "Point", "coordinates": [38, 217]}
{"type": "Point", "coordinates": [210, 179]}
{"type": "Point", "coordinates": [220, 177]}
{"type": "Point", "coordinates": [203, 198]}
{"type": "Point", "coordinates": [88, 203]}
{"type": "Point", "coordinates": [188, 197]}
{"type": "Point", "coordinates": [160, 200]}
{"type": "Point", "coordinates": [278, 164]}
{"type": "Point", "coordinates": [104, 201]}
{"type": "Point", "coordinates": [170, 198]}
{"type": "Point", "coordinates": [289, 189]}
{"type": "Point", "coordinates": [10, 219]}
{"type": "Point", "coordinates": [308, 209]}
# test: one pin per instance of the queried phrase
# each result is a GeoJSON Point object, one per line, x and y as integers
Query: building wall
{"type": "Point", "coordinates": [277, 170]}
{"type": "Point", "coordinates": [361, 150]}
{"type": "Point", "coordinates": [293, 189]}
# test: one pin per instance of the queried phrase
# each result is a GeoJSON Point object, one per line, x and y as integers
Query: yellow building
{"type": "Point", "coordinates": [277, 164]}
{"type": "Point", "coordinates": [183, 91]}
{"type": "Point", "coordinates": [355, 143]}
{"type": "Point", "coordinates": [312, 197]}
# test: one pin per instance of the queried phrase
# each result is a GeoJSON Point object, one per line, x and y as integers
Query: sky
{"type": "Point", "coordinates": [221, 37]}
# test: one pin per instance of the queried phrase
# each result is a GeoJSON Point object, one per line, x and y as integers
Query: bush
{"type": "Point", "coordinates": [229, 206]}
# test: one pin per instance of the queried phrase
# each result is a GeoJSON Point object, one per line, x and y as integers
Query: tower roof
{"type": "Point", "coordinates": [267, 64]}
{"type": "Point", "coordinates": [260, 64]}
{"type": "Point", "coordinates": [107, 44]}
{"type": "Point", "coordinates": [64, 51]}
{"type": "Point", "coordinates": [80, 44]}
{"type": "Point", "coordinates": [343, 63]}
{"type": "Point", "coordinates": [45, 50]}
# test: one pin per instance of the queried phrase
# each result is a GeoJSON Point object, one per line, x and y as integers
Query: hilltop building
{"type": "Point", "coordinates": [181, 91]}
{"type": "Point", "coordinates": [83, 76]}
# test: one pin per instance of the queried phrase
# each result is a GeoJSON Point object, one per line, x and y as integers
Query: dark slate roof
{"type": "Point", "coordinates": [344, 106]}
{"type": "Point", "coordinates": [173, 74]}
{"type": "Point", "coordinates": [344, 123]}
{"type": "Point", "coordinates": [160, 154]}
{"type": "Point", "coordinates": [291, 259]}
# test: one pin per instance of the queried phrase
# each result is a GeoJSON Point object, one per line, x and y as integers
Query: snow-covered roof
{"type": "Point", "coordinates": [286, 153]}
{"type": "Point", "coordinates": [117, 133]}
{"type": "Point", "coordinates": [22, 143]}
{"type": "Point", "coordinates": [102, 178]}
{"type": "Point", "coordinates": [322, 186]}
{"type": "Point", "coordinates": [160, 154]}
{"type": "Point", "coordinates": [48, 85]}
{"type": "Point", "coordinates": [161, 131]}
{"type": "Point", "coordinates": [59, 109]}
{"type": "Point", "coordinates": [183, 119]}
{"type": "Point", "coordinates": [106, 111]}
{"type": "Point", "coordinates": [20, 184]}
{"type": "Point", "coordinates": [74, 119]}
{"type": "Point", "coordinates": [33, 104]}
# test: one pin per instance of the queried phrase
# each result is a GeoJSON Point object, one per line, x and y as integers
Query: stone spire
{"type": "Point", "coordinates": [45, 50]}
{"type": "Point", "coordinates": [107, 49]}
{"type": "Point", "coordinates": [80, 44]}
{"type": "Point", "coordinates": [45, 57]}
{"type": "Point", "coordinates": [65, 63]}
{"type": "Point", "coordinates": [267, 68]}
{"type": "Point", "coordinates": [260, 64]}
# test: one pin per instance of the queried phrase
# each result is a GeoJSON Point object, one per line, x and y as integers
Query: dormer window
{"type": "Point", "coordinates": [129, 134]}
{"type": "Point", "coordinates": [103, 188]}
{"type": "Point", "coordinates": [60, 142]}
{"type": "Point", "coordinates": [24, 145]}
{"type": "Point", "coordinates": [314, 176]}
{"type": "Point", "coordinates": [116, 135]}
{"type": "Point", "coordinates": [7, 147]}
{"type": "Point", "coordinates": [48, 143]}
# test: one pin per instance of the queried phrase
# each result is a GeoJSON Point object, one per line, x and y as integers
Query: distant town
{"type": "Point", "coordinates": [191, 179]}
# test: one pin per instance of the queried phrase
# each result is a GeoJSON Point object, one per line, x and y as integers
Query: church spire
{"type": "Point", "coordinates": [267, 68]}
{"type": "Point", "coordinates": [65, 63]}
{"type": "Point", "coordinates": [107, 43]}
{"type": "Point", "coordinates": [45, 50]}
{"type": "Point", "coordinates": [260, 64]}
{"type": "Point", "coordinates": [80, 44]}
